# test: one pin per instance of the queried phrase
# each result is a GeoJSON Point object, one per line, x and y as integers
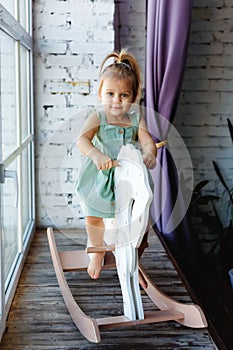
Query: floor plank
{"type": "Point", "coordinates": [38, 317]}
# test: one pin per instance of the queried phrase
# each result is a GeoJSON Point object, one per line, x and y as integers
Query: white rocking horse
{"type": "Point", "coordinates": [123, 236]}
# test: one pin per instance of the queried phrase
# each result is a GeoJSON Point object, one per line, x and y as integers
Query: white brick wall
{"type": "Point", "coordinates": [206, 99]}
{"type": "Point", "coordinates": [71, 39]}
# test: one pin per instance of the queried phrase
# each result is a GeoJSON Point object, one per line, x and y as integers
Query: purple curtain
{"type": "Point", "coordinates": [168, 27]}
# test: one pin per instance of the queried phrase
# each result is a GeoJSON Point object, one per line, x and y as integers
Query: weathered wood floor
{"type": "Point", "coordinates": [39, 320]}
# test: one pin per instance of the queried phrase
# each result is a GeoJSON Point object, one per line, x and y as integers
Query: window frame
{"type": "Point", "coordinates": [15, 30]}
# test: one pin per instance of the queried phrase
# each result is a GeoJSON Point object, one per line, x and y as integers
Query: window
{"type": "Point", "coordinates": [16, 146]}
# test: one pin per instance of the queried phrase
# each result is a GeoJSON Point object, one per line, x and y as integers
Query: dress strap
{"type": "Point", "coordinates": [135, 118]}
{"type": "Point", "coordinates": [102, 117]}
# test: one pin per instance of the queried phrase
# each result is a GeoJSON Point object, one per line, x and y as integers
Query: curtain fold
{"type": "Point", "coordinates": [168, 27]}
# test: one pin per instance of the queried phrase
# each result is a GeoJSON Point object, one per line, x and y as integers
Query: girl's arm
{"type": "Point", "coordinates": [149, 150]}
{"type": "Point", "coordinates": [84, 141]}
{"type": "Point", "coordinates": [85, 146]}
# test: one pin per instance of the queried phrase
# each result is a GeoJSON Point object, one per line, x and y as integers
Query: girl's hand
{"type": "Point", "coordinates": [149, 150]}
{"type": "Point", "coordinates": [149, 160]}
{"type": "Point", "coordinates": [102, 161]}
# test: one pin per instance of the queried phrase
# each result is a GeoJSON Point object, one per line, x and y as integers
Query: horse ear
{"type": "Point", "coordinates": [131, 153]}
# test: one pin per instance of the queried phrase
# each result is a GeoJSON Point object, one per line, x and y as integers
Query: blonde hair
{"type": "Point", "coordinates": [124, 66]}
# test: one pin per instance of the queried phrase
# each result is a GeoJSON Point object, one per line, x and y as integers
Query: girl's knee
{"type": "Point", "coordinates": [94, 221]}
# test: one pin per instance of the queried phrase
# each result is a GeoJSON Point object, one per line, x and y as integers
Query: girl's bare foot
{"type": "Point", "coordinates": [95, 264]}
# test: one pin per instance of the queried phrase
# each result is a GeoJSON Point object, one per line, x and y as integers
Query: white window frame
{"type": "Point", "coordinates": [12, 27]}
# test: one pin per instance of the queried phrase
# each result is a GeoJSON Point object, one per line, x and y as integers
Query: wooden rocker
{"type": "Point", "coordinates": [124, 236]}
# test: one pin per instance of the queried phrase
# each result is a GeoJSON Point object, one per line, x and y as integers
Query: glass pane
{"type": "Point", "coordinates": [19, 11]}
{"type": "Point", "coordinates": [8, 94]}
{"type": "Point", "coordinates": [25, 90]}
{"type": "Point", "coordinates": [26, 188]}
{"type": "Point", "coordinates": [9, 5]}
{"type": "Point", "coordinates": [23, 13]}
{"type": "Point", "coordinates": [10, 225]}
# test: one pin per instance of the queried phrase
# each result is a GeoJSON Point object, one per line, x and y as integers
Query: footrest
{"type": "Point", "coordinates": [149, 317]}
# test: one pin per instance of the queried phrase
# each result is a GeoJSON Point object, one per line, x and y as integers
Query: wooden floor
{"type": "Point", "coordinates": [39, 320]}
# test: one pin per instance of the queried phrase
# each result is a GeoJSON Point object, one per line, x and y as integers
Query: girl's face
{"type": "Point", "coordinates": [116, 96]}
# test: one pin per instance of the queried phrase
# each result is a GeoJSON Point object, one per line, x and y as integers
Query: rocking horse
{"type": "Point", "coordinates": [123, 240]}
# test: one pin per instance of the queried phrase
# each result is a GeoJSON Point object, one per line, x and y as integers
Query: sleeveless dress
{"type": "Point", "coordinates": [95, 188]}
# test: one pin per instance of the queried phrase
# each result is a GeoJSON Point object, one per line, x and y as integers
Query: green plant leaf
{"type": "Point", "coordinates": [230, 126]}
{"type": "Point", "coordinates": [208, 198]}
{"type": "Point", "coordinates": [220, 176]}
{"type": "Point", "coordinates": [200, 185]}
{"type": "Point", "coordinates": [214, 224]}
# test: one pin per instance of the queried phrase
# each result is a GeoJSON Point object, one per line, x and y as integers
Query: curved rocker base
{"type": "Point", "coordinates": [187, 315]}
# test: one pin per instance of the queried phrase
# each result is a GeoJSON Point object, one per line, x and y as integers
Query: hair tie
{"type": "Point", "coordinates": [114, 61]}
{"type": "Point", "coordinates": [125, 64]}
{"type": "Point", "coordinates": [109, 62]}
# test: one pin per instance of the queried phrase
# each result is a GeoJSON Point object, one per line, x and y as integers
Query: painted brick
{"type": "Point", "coordinates": [48, 47]}
{"type": "Point", "coordinates": [64, 87]}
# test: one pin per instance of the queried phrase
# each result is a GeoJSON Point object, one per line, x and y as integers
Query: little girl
{"type": "Point", "coordinates": [100, 140]}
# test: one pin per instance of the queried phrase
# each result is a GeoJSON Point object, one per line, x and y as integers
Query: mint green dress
{"type": "Point", "coordinates": [95, 188]}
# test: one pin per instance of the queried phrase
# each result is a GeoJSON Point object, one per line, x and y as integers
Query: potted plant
{"type": "Point", "coordinates": [216, 238]}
